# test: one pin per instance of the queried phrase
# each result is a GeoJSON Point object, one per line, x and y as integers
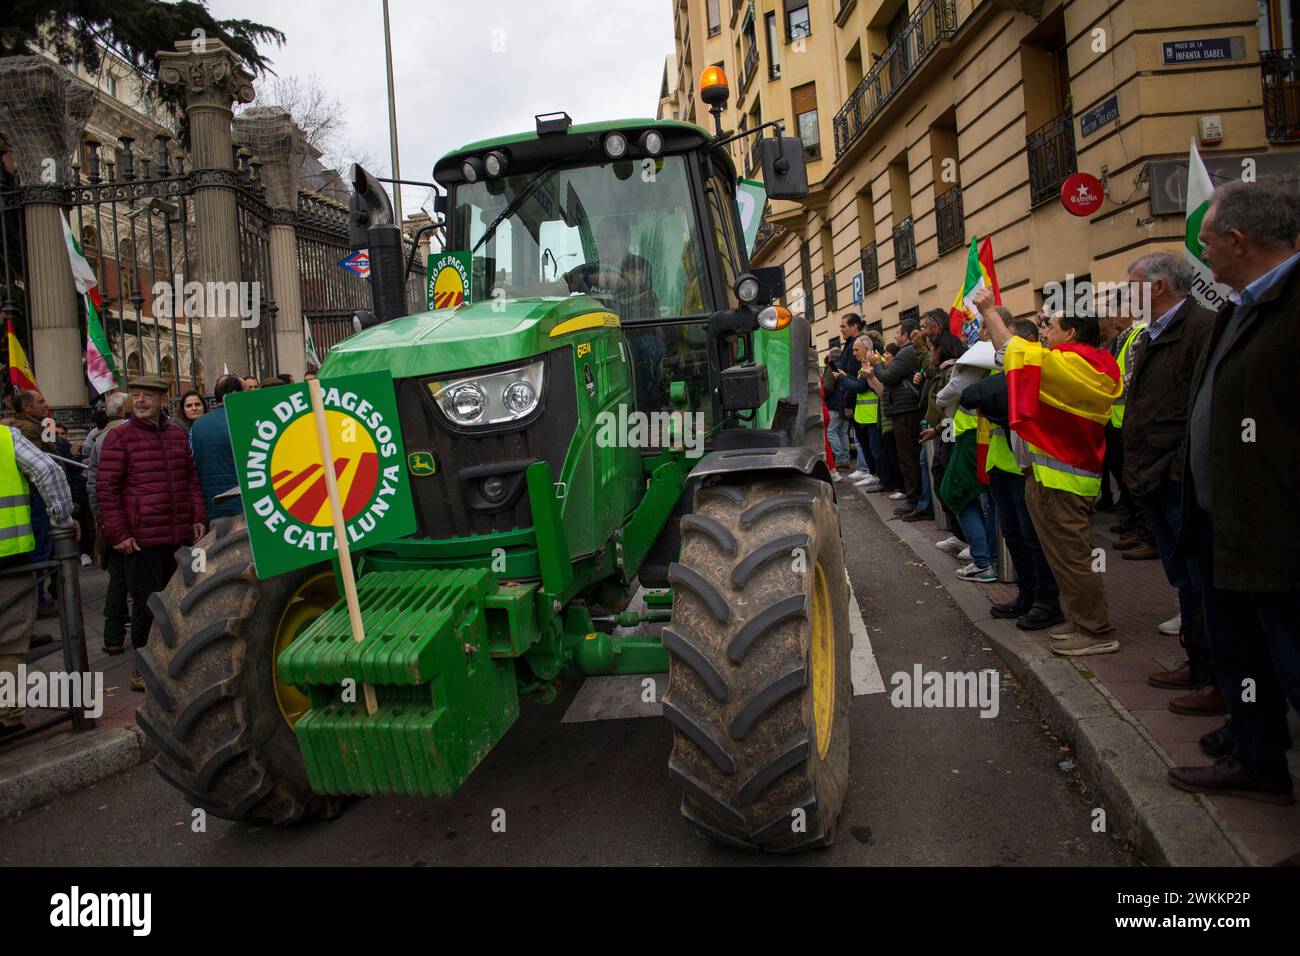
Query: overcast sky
{"type": "Point", "coordinates": [467, 70]}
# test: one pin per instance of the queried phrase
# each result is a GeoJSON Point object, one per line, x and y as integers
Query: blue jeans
{"type": "Point", "coordinates": [971, 519]}
{"type": "Point", "coordinates": [1163, 510]}
{"type": "Point", "coordinates": [44, 545]}
{"type": "Point", "coordinates": [1033, 574]}
{"type": "Point", "coordinates": [926, 502]}
{"type": "Point", "coordinates": [838, 434]}
{"type": "Point", "coordinates": [1253, 635]}
{"type": "Point", "coordinates": [883, 452]}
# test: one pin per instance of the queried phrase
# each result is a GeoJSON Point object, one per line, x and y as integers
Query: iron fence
{"type": "Point", "coordinates": [904, 247]}
{"type": "Point", "coordinates": [949, 221]}
{"type": "Point", "coordinates": [1280, 79]}
{"type": "Point", "coordinates": [1050, 150]}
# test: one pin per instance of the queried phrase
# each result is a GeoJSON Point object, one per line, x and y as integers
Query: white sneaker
{"type": "Point", "coordinates": [869, 483]}
{"type": "Point", "coordinates": [86, 562]}
{"type": "Point", "coordinates": [858, 475]}
{"type": "Point", "coordinates": [951, 545]}
{"type": "Point", "coordinates": [973, 572]}
{"type": "Point", "coordinates": [964, 554]}
{"type": "Point", "coordinates": [1173, 627]}
{"type": "Point", "coordinates": [835, 476]}
{"type": "Point", "coordinates": [897, 496]}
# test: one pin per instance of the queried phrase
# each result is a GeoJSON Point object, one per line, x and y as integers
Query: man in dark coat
{"type": "Point", "coordinates": [1240, 521]}
{"type": "Point", "coordinates": [149, 498]}
{"type": "Point", "coordinates": [1157, 388]}
{"type": "Point", "coordinates": [213, 455]}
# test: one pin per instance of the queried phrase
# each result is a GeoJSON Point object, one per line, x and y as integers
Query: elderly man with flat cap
{"type": "Point", "coordinates": [149, 499]}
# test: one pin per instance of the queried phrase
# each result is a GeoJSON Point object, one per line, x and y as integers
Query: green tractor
{"type": "Point", "coordinates": [618, 407]}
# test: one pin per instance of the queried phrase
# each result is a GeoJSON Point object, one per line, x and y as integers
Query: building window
{"type": "Point", "coordinates": [805, 279]}
{"type": "Point", "coordinates": [797, 24]}
{"type": "Point", "coordinates": [111, 84]}
{"type": "Point", "coordinates": [804, 100]}
{"type": "Point", "coordinates": [715, 18]}
{"type": "Point", "coordinates": [773, 46]}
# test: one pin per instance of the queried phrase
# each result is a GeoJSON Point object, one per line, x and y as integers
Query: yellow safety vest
{"type": "Point", "coordinates": [963, 422]}
{"type": "Point", "coordinates": [1000, 455]}
{"type": "Point", "coordinates": [1117, 409]}
{"type": "Point", "coordinates": [866, 410]}
{"type": "Point", "coordinates": [16, 534]}
{"type": "Point", "coordinates": [1051, 472]}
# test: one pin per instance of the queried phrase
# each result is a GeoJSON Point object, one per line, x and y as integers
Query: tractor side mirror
{"type": "Point", "coordinates": [785, 171]}
{"type": "Point", "coordinates": [771, 283]}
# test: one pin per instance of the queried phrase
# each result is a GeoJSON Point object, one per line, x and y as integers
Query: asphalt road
{"type": "Point", "coordinates": [928, 787]}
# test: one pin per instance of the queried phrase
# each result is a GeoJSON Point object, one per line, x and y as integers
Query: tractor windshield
{"type": "Point", "coordinates": [621, 231]}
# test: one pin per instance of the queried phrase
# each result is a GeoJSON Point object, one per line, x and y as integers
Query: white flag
{"type": "Point", "coordinates": [1205, 290]}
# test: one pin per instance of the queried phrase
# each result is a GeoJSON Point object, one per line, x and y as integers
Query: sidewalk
{"type": "Point", "coordinates": [58, 760]}
{"type": "Point", "coordinates": [1125, 760]}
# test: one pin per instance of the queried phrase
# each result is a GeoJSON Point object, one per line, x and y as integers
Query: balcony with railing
{"type": "Point", "coordinates": [934, 21]}
{"type": "Point", "coordinates": [750, 68]}
{"type": "Point", "coordinates": [904, 247]}
{"type": "Point", "coordinates": [1052, 160]}
{"type": "Point", "coordinates": [949, 220]}
{"type": "Point", "coordinates": [870, 268]}
{"type": "Point", "coordinates": [1280, 77]}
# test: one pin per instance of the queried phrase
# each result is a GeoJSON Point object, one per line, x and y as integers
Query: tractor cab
{"type": "Point", "coordinates": [635, 214]}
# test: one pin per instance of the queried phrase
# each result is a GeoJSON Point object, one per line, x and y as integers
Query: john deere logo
{"type": "Point", "coordinates": [449, 280]}
{"type": "Point", "coordinates": [420, 463]}
{"type": "Point", "coordinates": [282, 475]}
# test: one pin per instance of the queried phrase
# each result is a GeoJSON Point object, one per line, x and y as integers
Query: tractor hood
{"type": "Point", "coordinates": [466, 337]}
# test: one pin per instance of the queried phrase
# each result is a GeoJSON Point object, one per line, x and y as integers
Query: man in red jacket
{"type": "Point", "coordinates": [149, 499]}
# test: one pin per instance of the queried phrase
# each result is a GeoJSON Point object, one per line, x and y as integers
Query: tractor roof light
{"type": "Point", "coordinates": [774, 318]}
{"type": "Point", "coordinates": [472, 169]}
{"type": "Point", "coordinates": [713, 86]}
{"type": "Point", "coordinates": [495, 163]}
{"type": "Point", "coordinates": [747, 289]}
{"type": "Point", "coordinates": [615, 145]}
{"type": "Point", "coordinates": [652, 142]}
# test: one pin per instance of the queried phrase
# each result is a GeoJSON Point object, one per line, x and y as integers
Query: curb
{"type": "Point", "coordinates": [66, 762]}
{"type": "Point", "coordinates": [1122, 762]}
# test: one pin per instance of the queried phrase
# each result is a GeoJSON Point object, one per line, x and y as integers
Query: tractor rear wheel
{"type": "Point", "coordinates": [759, 685]}
{"type": "Point", "coordinates": [222, 723]}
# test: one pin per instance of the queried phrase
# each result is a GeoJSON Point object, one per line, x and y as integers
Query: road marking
{"type": "Point", "coordinates": [862, 660]}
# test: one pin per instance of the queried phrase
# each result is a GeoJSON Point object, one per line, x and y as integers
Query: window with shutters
{"type": "Point", "coordinates": [803, 99]}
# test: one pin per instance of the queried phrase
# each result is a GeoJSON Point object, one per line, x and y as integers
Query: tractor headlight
{"type": "Point", "coordinates": [652, 142]}
{"type": "Point", "coordinates": [472, 169]}
{"type": "Point", "coordinates": [495, 163]}
{"type": "Point", "coordinates": [491, 399]}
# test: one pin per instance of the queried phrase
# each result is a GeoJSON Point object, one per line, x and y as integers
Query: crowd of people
{"type": "Point", "coordinates": [1175, 419]}
{"type": "Point", "coordinates": [142, 483]}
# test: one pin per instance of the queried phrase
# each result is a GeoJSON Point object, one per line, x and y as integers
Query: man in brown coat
{"type": "Point", "coordinates": [1240, 521]}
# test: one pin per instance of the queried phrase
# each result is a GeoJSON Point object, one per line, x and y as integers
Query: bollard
{"type": "Point", "coordinates": [71, 625]}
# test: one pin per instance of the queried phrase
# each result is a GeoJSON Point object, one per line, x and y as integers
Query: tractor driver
{"type": "Point", "coordinates": [619, 276]}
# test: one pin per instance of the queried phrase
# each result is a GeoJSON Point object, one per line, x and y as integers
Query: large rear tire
{"type": "Point", "coordinates": [220, 722]}
{"type": "Point", "coordinates": [759, 684]}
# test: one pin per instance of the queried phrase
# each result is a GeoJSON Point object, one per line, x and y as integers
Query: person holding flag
{"type": "Point", "coordinates": [963, 317]}
{"type": "Point", "coordinates": [1059, 401]}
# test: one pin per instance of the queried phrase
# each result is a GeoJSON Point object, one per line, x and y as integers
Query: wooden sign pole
{"type": "Point", "coordinates": [340, 530]}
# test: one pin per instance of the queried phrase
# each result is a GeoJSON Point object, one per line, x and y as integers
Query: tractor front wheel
{"type": "Point", "coordinates": [222, 723]}
{"type": "Point", "coordinates": [759, 684]}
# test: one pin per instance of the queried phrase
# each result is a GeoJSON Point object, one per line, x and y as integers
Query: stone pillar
{"type": "Point", "coordinates": [276, 140]}
{"type": "Point", "coordinates": [42, 114]}
{"type": "Point", "coordinates": [212, 78]}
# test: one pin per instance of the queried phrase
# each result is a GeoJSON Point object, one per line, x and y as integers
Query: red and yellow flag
{"type": "Point", "coordinates": [963, 320]}
{"type": "Point", "coordinates": [21, 375]}
{"type": "Point", "coordinates": [1060, 398]}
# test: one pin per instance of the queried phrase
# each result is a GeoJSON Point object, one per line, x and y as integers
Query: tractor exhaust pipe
{"type": "Point", "coordinates": [372, 227]}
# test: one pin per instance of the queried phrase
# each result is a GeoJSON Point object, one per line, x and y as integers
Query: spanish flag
{"type": "Point", "coordinates": [21, 375]}
{"type": "Point", "coordinates": [963, 320]}
{"type": "Point", "coordinates": [1060, 398]}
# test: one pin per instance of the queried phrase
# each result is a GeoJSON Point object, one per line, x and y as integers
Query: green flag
{"type": "Point", "coordinates": [1205, 290]}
